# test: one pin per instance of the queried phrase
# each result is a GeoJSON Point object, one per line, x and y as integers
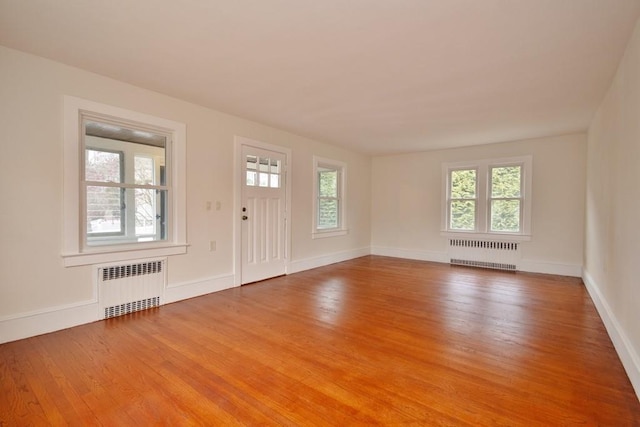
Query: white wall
{"type": "Point", "coordinates": [406, 202]}
{"type": "Point", "coordinates": [612, 256]}
{"type": "Point", "coordinates": [36, 292]}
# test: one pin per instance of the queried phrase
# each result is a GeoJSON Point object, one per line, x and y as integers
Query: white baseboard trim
{"type": "Point", "coordinates": [628, 355]}
{"type": "Point", "coordinates": [25, 325]}
{"type": "Point", "coordinates": [550, 268]}
{"type": "Point", "coordinates": [443, 257]}
{"type": "Point", "coordinates": [186, 290]}
{"type": "Point", "coordinates": [320, 261]}
{"type": "Point", "coordinates": [410, 254]}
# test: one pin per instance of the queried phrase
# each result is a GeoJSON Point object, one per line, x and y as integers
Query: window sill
{"type": "Point", "coordinates": [503, 237]}
{"type": "Point", "coordinates": [329, 233]}
{"type": "Point", "coordinates": [114, 254]}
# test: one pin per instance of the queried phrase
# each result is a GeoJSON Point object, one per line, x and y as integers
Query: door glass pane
{"type": "Point", "coordinates": [275, 166]}
{"type": "Point", "coordinates": [275, 181]}
{"type": "Point", "coordinates": [263, 179]}
{"type": "Point", "coordinates": [505, 181]}
{"type": "Point", "coordinates": [264, 165]}
{"type": "Point", "coordinates": [251, 162]}
{"type": "Point", "coordinates": [252, 178]}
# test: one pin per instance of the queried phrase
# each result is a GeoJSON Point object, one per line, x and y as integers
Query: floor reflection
{"type": "Point", "coordinates": [329, 301]}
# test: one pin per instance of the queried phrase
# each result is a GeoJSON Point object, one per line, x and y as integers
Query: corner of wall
{"type": "Point", "coordinates": [297, 266]}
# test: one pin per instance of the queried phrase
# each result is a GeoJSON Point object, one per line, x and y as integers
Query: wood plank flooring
{"type": "Point", "coordinates": [371, 341]}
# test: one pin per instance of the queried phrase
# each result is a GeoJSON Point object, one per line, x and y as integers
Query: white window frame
{"type": "Point", "coordinates": [483, 201]}
{"type": "Point", "coordinates": [341, 168]}
{"type": "Point", "coordinates": [74, 251]}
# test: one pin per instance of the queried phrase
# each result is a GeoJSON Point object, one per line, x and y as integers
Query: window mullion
{"type": "Point", "coordinates": [483, 194]}
{"type": "Point", "coordinates": [124, 185]}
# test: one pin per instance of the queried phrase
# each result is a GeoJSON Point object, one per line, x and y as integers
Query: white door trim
{"type": "Point", "coordinates": [239, 142]}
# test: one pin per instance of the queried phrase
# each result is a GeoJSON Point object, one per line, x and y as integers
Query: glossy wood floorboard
{"type": "Point", "coordinates": [372, 341]}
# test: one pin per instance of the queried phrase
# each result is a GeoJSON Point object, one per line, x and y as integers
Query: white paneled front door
{"type": "Point", "coordinates": [263, 214]}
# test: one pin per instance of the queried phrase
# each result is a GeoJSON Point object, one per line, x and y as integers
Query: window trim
{"type": "Point", "coordinates": [483, 187]}
{"type": "Point", "coordinates": [74, 252]}
{"type": "Point", "coordinates": [341, 168]}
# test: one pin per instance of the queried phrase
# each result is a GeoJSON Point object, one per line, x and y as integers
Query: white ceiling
{"type": "Point", "coordinates": [376, 76]}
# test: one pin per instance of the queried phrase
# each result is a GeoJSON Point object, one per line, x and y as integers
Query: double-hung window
{"type": "Point", "coordinates": [124, 184]}
{"type": "Point", "coordinates": [505, 198]}
{"type": "Point", "coordinates": [488, 197]}
{"type": "Point", "coordinates": [329, 198]}
{"type": "Point", "coordinates": [463, 199]}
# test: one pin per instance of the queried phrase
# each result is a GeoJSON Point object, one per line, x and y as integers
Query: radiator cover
{"type": "Point", "coordinates": [130, 287]}
{"type": "Point", "coordinates": [498, 255]}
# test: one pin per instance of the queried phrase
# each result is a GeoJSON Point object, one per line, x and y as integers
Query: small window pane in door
{"type": "Point", "coordinates": [264, 165]}
{"type": "Point", "coordinates": [252, 178]}
{"type": "Point", "coordinates": [263, 179]}
{"type": "Point", "coordinates": [275, 166]}
{"type": "Point", "coordinates": [263, 172]}
{"type": "Point", "coordinates": [252, 166]}
{"type": "Point", "coordinates": [251, 162]}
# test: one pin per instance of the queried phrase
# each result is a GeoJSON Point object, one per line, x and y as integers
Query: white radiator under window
{"type": "Point", "coordinates": [485, 253]}
{"type": "Point", "coordinates": [129, 287]}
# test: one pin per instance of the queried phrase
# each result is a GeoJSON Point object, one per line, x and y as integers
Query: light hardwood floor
{"type": "Point", "coordinates": [370, 341]}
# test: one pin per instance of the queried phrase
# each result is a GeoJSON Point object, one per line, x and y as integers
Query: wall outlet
{"type": "Point", "coordinates": [212, 245]}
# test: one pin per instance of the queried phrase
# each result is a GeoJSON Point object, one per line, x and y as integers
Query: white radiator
{"type": "Point", "coordinates": [129, 287]}
{"type": "Point", "coordinates": [485, 253]}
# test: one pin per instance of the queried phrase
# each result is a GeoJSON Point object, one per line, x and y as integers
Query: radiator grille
{"type": "Point", "coordinates": [484, 264]}
{"type": "Point", "coordinates": [132, 287]}
{"type": "Point", "coordinates": [497, 255]}
{"type": "Point", "coordinates": [130, 270]}
{"type": "Point", "coordinates": [131, 307]}
{"type": "Point", "coordinates": [484, 244]}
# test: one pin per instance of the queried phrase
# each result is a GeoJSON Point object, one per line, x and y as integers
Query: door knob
{"type": "Point", "coordinates": [244, 217]}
